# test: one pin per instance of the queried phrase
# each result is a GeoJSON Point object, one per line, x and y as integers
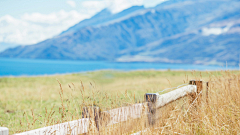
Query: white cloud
{"type": "Point", "coordinates": [152, 3]}
{"type": "Point", "coordinates": [114, 6]}
{"type": "Point", "coordinates": [92, 7]}
{"type": "Point", "coordinates": [53, 18]}
{"type": "Point", "coordinates": [71, 3]}
{"type": "Point", "coordinates": [31, 28]}
{"type": "Point", "coordinates": [119, 5]}
{"type": "Point", "coordinates": [36, 27]}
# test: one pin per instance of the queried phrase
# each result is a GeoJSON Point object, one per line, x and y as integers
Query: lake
{"type": "Point", "coordinates": [32, 67]}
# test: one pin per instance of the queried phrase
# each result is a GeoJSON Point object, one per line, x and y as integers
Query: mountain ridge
{"type": "Point", "coordinates": [102, 17]}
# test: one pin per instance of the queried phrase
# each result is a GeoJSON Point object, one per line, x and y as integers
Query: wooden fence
{"type": "Point", "coordinates": [153, 102]}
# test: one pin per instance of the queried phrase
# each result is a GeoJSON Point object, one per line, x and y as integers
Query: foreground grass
{"type": "Point", "coordinates": [28, 103]}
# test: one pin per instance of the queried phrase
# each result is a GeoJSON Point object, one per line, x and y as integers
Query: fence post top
{"type": "Point", "coordinates": [196, 80]}
{"type": "Point", "coordinates": [152, 94]}
{"type": "Point", "coordinates": [4, 131]}
{"type": "Point", "coordinates": [3, 128]}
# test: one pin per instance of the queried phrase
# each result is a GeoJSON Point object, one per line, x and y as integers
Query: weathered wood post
{"type": "Point", "coordinates": [199, 85]}
{"type": "Point", "coordinates": [151, 99]}
{"type": "Point", "coordinates": [207, 92]}
{"type": "Point", "coordinates": [92, 112]}
{"type": "Point", "coordinates": [4, 131]}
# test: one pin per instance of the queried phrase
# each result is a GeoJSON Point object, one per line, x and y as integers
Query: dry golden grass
{"type": "Point", "coordinates": [32, 102]}
{"type": "Point", "coordinates": [220, 115]}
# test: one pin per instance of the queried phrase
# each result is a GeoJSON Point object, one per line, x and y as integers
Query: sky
{"type": "Point", "coordinates": [26, 22]}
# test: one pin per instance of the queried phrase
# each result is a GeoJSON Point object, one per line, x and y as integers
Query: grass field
{"type": "Point", "coordinates": [28, 103]}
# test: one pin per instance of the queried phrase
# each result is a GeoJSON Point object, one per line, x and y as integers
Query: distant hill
{"type": "Point", "coordinates": [176, 31]}
{"type": "Point", "coordinates": [4, 46]}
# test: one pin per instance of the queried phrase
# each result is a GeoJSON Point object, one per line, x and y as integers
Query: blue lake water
{"type": "Point", "coordinates": [30, 67]}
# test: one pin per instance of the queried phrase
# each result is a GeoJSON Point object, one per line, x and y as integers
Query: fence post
{"type": "Point", "coordinates": [199, 85]}
{"type": "Point", "coordinates": [207, 92]}
{"type": "Point", "coordinates": [93, 113]}
{"type": "Point", "coordinates": [4, 131]}
{"type": "Point", "coordinates": [151, 99]}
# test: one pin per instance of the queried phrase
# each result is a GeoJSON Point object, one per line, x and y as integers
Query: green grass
{"type": "Point", "coordinates": [28, 103]}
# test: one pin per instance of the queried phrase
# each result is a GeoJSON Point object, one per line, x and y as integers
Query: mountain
{"type": "Point", "coordinates": [103, 17]}
{"type": "Point", "coordinates": [176, 31]}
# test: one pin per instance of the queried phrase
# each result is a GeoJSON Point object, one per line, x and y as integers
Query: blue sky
{"type": "Point", "coordinates": [31, 21]}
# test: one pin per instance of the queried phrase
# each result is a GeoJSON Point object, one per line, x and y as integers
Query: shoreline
{"type": "Point", "coordinates": [36, 68]}
{"type": "Point", "coordinates": [111, 70]}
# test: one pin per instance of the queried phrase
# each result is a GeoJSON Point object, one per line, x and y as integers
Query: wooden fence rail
{"type": "Point", "coordinates": [162, 100]}
{"type": "Point", "coordinates": [153, 101]}
{"type": "Point", "coordinates": [74, 127]}
{"type": "Point", "coordinates": [158, 101]}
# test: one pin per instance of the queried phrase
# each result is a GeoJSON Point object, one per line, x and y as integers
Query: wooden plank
{"type": "Point", "coordinates": [4, 131]}
{"type": "Point", "coordinates": [156, 101]}
{"type": "Point", "coordinates": [162, 100]}
{"type": "Point", "coordinates": [125, 113]}
{"type": "Point", "coordinates": [73, 127]}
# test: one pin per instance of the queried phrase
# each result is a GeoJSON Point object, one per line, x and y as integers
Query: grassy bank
{"type": "Point", "coordinates": [32, 102]}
